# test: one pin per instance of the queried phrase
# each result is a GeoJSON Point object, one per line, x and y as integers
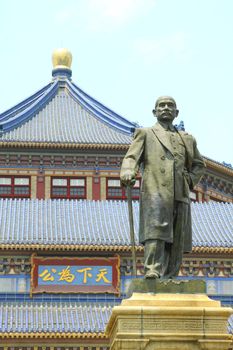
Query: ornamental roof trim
{"type": "Point", "coordinates": [223, 167]}
{"type": "Point", "coordinates": [99, 225]}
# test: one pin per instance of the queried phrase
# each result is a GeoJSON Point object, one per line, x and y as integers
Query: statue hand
{"type": "Point", "coordinates": [128, 179]}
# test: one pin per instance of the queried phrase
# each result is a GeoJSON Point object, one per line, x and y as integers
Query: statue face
{"type": "Point", "coordinates": [165, 109]}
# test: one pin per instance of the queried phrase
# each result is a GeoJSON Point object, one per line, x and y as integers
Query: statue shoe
{"type": "Point", "coordinates": [151, 274]}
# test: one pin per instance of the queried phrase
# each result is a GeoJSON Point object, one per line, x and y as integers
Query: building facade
{"type": "Point", "coordinates": [64, 219]}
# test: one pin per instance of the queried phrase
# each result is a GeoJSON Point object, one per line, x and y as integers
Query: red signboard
{"type": "Point", "coordinates": [75, 275]}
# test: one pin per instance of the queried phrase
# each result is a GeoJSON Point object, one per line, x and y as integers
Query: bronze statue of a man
{"type": "Point", "coordinates": [171, 166]}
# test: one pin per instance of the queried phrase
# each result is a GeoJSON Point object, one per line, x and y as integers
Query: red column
{"type": "Point", "coordinates": [96, 188]}
{"type": "Point", "coordinates": [40, 193]}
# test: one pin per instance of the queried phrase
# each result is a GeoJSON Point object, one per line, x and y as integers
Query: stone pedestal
{"type": "Point", "coordinates": [169, 322]}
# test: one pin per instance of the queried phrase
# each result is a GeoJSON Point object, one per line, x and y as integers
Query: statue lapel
{"type": "Point", "coordinates": [188, 143]}
{"type": "Point", "coordinates": [162, 136]}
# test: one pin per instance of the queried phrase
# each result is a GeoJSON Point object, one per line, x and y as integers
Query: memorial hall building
{"type": "Point", "coordinates": [65, 248]}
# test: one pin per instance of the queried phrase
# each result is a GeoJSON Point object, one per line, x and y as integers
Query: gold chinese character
{"type": "Point", "coordinates": [46, 275]}
{"type": "Point", "coordinates": [66, 275]}
{"type": "Point", "coordinates": [85, 273]}
{"type": "Point", "coordinates": [101, 275]}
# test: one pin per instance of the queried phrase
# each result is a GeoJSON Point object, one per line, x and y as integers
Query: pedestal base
{"type": "Point", "coordinates": [169, 322]}
{"type": "Point", "coordinates": [142, 285]}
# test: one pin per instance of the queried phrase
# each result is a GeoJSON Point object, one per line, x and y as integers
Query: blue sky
{"type": "Point", "coordinates": [126, 53]}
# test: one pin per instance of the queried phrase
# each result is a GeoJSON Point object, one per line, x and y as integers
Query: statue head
{"type": "Point", "coordinates": [165, 109]}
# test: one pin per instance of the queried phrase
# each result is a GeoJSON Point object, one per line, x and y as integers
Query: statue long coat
{"type": "Point", "coordinates": [151, 148]}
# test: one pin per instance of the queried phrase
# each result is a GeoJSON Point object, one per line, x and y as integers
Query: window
{"type": "Point", "coordinates": [67, 187]}
{"type": "Point", "coordinates": [116, 191]}
{"type": "Point", "coordinates": [14, 187]}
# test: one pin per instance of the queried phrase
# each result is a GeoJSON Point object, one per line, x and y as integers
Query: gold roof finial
{"type": "Point", "coordinates": [62, 59]}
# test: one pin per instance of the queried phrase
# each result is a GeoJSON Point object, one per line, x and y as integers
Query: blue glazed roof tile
{"type": "Point", "coordinates": [49, 222]}
{"type": "Point", "coordinates": [53, 317]}
{"type": "Point", "coordinates": [62, 112]}
{"type": "Point", "coordinates": [26, 317]}
{"type": "Point", "coordinates": [212, 224]}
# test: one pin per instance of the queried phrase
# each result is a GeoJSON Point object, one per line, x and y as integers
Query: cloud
{"type": "Point", "coordinates": [102, 15]}
{"type": "Point", "coordinates": [120, 11]}
{"type": "Point", "coordinates": [157, 50]}
{"type": "Point", "coordinates": [65, 15]}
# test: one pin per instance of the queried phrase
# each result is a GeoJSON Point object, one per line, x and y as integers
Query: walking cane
{"type": "Point", "coordinates": [131, 226]}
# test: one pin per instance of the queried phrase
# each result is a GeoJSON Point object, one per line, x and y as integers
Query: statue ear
{"type": "Point", "coordinates": [154, 111]}
{"type": "Point", "coordinates": [177, 112]}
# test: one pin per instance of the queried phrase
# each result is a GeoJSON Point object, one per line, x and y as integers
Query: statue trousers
{"type": "Point", "coordinates": [164, 259]}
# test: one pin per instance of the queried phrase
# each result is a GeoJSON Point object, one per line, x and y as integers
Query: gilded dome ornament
{"type": "Point", "coordinates": [61, 58]}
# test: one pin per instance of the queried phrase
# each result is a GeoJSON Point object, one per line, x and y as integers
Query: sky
{"type": "Point", "coordinates": [127, 53]}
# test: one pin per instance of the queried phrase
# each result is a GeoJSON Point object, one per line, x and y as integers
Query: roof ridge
{"type": "Point", "coordinates": [21, 104]}
{"type": "Point", "coordinates": [134, 124]}
{"type": "Point", "coordinates": [23, 116]}
{"type": "Point", "coordinates": [101, 112]}
{"type": "Point", "coordinates": [220, 164]}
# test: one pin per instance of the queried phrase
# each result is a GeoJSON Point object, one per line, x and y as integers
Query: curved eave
{"type": "Point", "coordinates": [100, 111]}
{"type": "Point", "coordinates": [20, 106]}
{"type": "Point", "coordinates": [13, 121]}
{"type": "Point", "coordinates": [52, 335]}
{"type": "Point", "coordinates": [60, 145]}
{"type": "Point", "coordinates": [102, 248]}
{"type": "Point", "coordinates": [216, 166]}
